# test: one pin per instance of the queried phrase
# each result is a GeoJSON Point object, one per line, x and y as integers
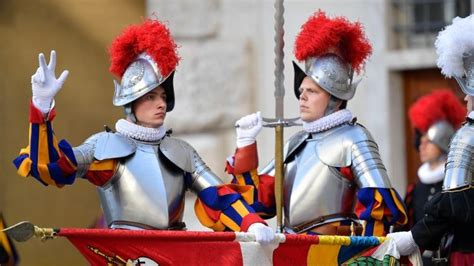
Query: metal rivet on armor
{"type": "Point", "coordinates": [432, 190]}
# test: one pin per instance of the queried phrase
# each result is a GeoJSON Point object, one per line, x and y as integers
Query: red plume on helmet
{"type": "Point", "coordinates": [439, 105]}
{"type": "Point", "coordinates": [321, 35]}
{"type": "Point", "coordinates": [151, 37]}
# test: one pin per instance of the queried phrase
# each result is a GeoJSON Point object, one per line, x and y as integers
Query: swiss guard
{"type": "Point", "coordinates": [435, 118]}
{"type": "Point", "coordinates": [335, 182]}
{"type": "Point", "coordinates": [449, 216]}
{"type": "Point", "coordinates": [141, 172]}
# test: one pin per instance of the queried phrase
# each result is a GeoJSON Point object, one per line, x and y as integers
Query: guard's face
{"type": "Point", "coordinates": [468, 100]}
{"type": "Point", "coordinates": [429, 152]}
{"type": "Point", "coordinates": [313, 100]}
{"type": "Point", "coordinates": [150, 109]}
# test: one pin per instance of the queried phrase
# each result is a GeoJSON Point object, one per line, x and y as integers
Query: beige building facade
{"type": "Point", "coordinates": [226, 72]}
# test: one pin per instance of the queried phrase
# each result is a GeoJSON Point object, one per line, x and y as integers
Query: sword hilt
{"type": "Point", "coordinates": [274, 122]}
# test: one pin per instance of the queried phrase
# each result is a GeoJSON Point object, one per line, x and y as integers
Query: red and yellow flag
{"type": "Point", "coordinates": [148, 247]}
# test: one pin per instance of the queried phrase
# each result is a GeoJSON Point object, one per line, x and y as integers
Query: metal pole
{"type": "Point", "coordinates": [279, 97]}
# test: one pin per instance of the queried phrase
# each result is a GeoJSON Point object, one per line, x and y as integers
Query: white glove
{"type": "Point", "coordinates": [44, 83]}
{"type": "Point", "coordinates": [404, 241]}
{"type": "Point", "coordinates": [247, 129]}
{"type": "Point", "coordinates": [263, 234]}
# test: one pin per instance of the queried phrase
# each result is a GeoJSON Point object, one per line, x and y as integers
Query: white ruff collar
{"type": "Point", "coordinates": [137, 132]}
{"type": "Point", "coordinates": [471, 115]}
{"type": "Point", "coordinates": [327, 122]}
{"type": "Point", "coordinates": [428, 176]}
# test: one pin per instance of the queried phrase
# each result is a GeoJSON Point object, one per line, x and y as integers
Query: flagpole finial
{"type": "Point", "coordinates": [25, 230]}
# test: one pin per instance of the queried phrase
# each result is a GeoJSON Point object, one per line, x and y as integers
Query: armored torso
{"type": "Point", "coordinates": [146, 191]}
{"type": "Point", "coordinates": [148, 187]}
{"type": "Point", "coordinates": [315, 191]}
{"type": "Point", "coordinates": [312, 185]}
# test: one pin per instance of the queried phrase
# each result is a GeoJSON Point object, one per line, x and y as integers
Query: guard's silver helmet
{"type": "Point", "coordinates": [467, 82]}
{"type": "Point", "coordinates": [332, 49]}
{"type": "Point", "coordinates": [455, 49]}
{"type": "Point", "coordinates": [330, 72]}
{"type": "Point", "coordinates": [144, 57]}
{"type": "Point", "coordinates": [141, 77]}
{"type": "Point", "coordinates": [437, 115]}
{"type": "Point", "coordinates": [440, 134]}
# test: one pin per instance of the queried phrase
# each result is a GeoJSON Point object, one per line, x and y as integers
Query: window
{"type": "Point", "coordinates": [417, 22]}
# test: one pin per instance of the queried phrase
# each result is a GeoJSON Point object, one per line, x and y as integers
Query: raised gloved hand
{"type": "Point", "coordinates": [44, 83]}
{"type": "Point", "coordinates": [263, 234]}
{"type": "Point", "coordinates": [247, 129]}
{"type": "Point", "coordinates": [404, 241]}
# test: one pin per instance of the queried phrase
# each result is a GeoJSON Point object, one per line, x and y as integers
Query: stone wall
{"type": "Point", "coordinates": [80, 32]}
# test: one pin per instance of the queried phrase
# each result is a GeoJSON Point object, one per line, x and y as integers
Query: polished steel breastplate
{"type": "Point", "coordinates": [313, 189]}
{"type": "Point", "coordinates": [147, 191]}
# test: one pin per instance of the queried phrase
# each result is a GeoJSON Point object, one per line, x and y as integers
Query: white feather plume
{"type": "Point", "coordinates": [453, 43]}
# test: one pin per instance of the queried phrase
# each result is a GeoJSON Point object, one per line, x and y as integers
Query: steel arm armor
{"type": "Point", "coordinates": [460, 166]}
{"type": "Point", "coordinates": [186, 158]}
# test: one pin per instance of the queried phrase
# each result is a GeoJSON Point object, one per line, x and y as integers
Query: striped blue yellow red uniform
{"type": "Point", "coordinates": [52, 162]}
{"type": "Point", "coordinates": [379, 208]}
